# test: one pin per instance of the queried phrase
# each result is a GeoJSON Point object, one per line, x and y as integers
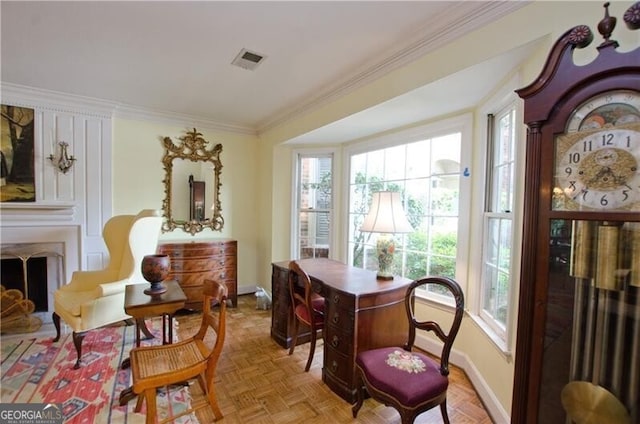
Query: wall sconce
{"type": "Point", "coordinates": [386, 216]}
{"type": "Point", "coordinates": [63, 162]}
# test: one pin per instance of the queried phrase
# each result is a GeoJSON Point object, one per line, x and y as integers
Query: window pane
{"type": "Point", "coordinates": [314, 201]}
{"type": "Point", "coordinates": [375, 165]}
{"type": "Point", "coordinates": [418, 159]}
{"type": "Point", "coordinates": [503, 163]}
{"type": "Point", "coordinates": [358, 167]}
{"type": "Point", "coordinates": [444, 195]}
{"type": "Point", "coordinates": [497, 269]}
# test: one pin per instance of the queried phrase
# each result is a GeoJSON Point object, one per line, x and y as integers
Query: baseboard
{"type": "Point", "coordinates": [498, 414]}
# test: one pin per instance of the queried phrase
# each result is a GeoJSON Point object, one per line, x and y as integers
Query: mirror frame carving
{"type": "Point", "coordinates": [193, 147]}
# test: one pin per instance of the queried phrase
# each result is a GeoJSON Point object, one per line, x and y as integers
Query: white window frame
{"type": "Point", "coordinates": [503, 338]}
{"type": "Point", "coordinates": [463, 124]}
{"type": "Point", "coordinates": [296, 156]}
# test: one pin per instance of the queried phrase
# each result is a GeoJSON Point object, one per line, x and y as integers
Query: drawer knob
{"type": "Point", "coordinates": [336, 318]}
{"type": "Point", "coordinates": [335, 341]}
{"type": "Point", "coordinates": [336, 298]}
{"type": "Point", "coordinates": [334, 366]}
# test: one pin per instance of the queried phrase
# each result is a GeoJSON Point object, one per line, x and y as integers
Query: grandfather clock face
{"type": "Point", "coordinates": [597, 160]}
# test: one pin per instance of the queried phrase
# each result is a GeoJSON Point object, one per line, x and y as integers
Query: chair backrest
{"type": "Point", "coordinates": [415, 324]}
{"type": "Point", "coordinates": [129, 238]}
{"type": "Point", "coordinates": [115, 233]}
{"type": "Point", "coordinates": [214, 293]}
{"type": "Point", "coordinates": [300, 288]}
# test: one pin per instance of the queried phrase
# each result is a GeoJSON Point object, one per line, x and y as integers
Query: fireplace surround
{"type": "Point", "coordinates": [58, 244]}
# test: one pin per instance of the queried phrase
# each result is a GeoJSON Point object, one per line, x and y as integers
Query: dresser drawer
{"type": "Point", "coordinates": [192, 278]}
{"type": "Point", "coordinates": [196, 264]}
{"type": "Point", "coordinates": [195, 250]}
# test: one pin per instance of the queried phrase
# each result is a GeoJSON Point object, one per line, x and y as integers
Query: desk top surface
{"type": "Point", "coordinates": [346, 278]}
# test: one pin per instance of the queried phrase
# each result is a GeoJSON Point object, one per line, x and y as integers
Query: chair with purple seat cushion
{"type": "Point", "coordinates": [307, 308]}
{"type": "Point", "coordinates": [408, 381]}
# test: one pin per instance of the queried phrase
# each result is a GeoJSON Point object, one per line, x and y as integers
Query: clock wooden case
{"type": "Point", "coordinates": [578, 343]}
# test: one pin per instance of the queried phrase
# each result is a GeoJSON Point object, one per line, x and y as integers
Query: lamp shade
{"type": "Point", "coordinates": [386, 214]}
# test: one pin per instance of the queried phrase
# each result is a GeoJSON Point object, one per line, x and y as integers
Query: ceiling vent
{"type": "Point", "coordinates": [248, 60]}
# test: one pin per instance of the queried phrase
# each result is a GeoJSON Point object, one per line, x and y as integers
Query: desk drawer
{"type": "Point", "coordinates": [339, 339]}
{"type": "Point", "coordinates": [337, 299]}
{"type": "Point", "coordinates": [339, 365]}
{"type": "Point", "coordinates": [340, 318]}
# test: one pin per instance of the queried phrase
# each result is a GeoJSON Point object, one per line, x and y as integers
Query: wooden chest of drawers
{"type": "Point", "coordinates": [194, 261]}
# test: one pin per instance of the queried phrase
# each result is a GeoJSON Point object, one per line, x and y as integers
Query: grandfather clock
{"type": "Point", "coordinates": [578, 344]}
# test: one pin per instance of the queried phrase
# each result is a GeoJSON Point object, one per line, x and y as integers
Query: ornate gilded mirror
{"type": "Point", "coordinates": [191, 184]}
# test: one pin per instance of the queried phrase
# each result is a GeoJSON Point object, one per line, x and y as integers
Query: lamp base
{"type": "Point", "coordinates": [385, 248]}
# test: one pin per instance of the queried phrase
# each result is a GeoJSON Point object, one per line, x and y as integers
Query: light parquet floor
{"type": "Point", "coordinates": [258, 382]}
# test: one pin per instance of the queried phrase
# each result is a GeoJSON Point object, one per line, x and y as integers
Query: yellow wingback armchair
{"type": "Point", "coordinates": [93, 299]}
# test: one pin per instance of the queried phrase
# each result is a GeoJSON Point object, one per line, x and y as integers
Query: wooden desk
{"type": "Point", "coordinates": [361, 313]}
{"type": "Point", "coordinates": [140, 306]}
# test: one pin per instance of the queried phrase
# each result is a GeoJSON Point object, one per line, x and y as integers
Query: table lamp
{"type": "Point", "coordinates": [386, 216]}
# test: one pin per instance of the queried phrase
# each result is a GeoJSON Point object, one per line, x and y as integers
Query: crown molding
{"type": "Point", "coordinates": [166, 117]}
{"type": "Point", "coordinates": [24, 96]}
{"type": "Point", "coordinates": [32, 97]}
{"type": "Point", "coordinates": [461, 19]}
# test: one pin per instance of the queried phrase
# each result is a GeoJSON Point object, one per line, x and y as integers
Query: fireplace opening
{"type": "Point", "coordinates": [12, 277]}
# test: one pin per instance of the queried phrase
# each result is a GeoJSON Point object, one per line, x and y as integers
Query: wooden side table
{"type": "Point", "coordinates": [140, 306]}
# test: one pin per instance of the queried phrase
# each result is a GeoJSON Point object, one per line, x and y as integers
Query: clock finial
{"type": "Point", "coordinates": [606, 26]}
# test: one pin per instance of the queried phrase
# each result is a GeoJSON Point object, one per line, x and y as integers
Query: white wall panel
{"type": "Point", "coordinates": [82, 196]}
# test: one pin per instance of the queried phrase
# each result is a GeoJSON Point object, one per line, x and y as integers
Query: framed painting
{"type": "Point", "coordinates": [17, 171]}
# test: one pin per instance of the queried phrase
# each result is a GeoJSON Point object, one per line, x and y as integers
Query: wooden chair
{"type": "Point", "coordinates": [307, 308]}
{"type": "Point", "coordinates": [409, 381]}
{"type": "Point", "coordinates": [153, 367]}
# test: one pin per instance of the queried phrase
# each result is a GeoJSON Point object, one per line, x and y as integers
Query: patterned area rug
{"type": "Point", "coordinates": [40, 371]}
